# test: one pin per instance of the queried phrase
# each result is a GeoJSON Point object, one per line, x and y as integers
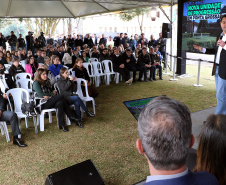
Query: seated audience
{"type": "Point", "coordinates": [95, 53]}
{"type": "Point", "coordinates": [84, 57]}
{"type": "Point", "coordinates": [155, 60]}
{"type": "Point", "coordinates": [41, 58]}
{"type": "Point", "coordinates": [165, 131]}
{"type": "Point", "coordinates": [67, 59]}
{"type": "Point", "coordinates": [105, 55]}
{"type": "Point", "coordinates": [23, 54]}
{"type": "Point", "coordinates": [130, 62]}
{"type": "Point", "coordinates": [12, 118]}
{"type": "Point", "coordinates": [68, 88]}
{"type": "Point", "coordinates": [9, 58]}
{"type": "Point", "coordinates": [119, 67]}
{"type": "Point", "coordinates": [2, 59]}
{"type": "Point", "coordinates": [56, 66]}
{"type": "Point", "coordinates": [15, 68]}
{"type": "Point", "coordinates": [144, 63]}
{"type": "Point", "coordinates": [87, 50]}
{"type": "Point", "coordinates": [138, 50]}
{"type": "Point", "coordinates": [32, 66]}
{"type": "Point", "coordinates": [212, 147]}
{"type": "Point", "coordinates": [50, 75]}
{"type": "Point", "coordinates": [47, 61]}
{"type": "Point", "coordinates": [50, 99]}
{"type": "Point", "coordinates": [81, 72]}
{"type": "Point", "coordinates": [75, 56]}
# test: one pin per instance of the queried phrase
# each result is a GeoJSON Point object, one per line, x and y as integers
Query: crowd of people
{"type": "Point", "coordinates": [164, 125]}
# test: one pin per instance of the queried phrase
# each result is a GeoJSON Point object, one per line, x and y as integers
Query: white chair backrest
{"type": "Point", "coordinates": [93, 60]}
{"type": "Point", "coordinates": [23, 62]}
{"type": "Point", "coordinates": [22, 76]}
{"type": "Point", "coordinates": [25, 84]}
{"type": "Point", "coordinates": [97, 68]}
{"type": "Point", "coordinates": [79, 88]}
{"type": "Point", "coordinates": [108, 66]}
{"type": "Point", "coordinates": [17, 94]}
{"type": "Point", "coordinates": [66, 67]}
{"type": "Point", "coordinates": [89, 68]}
{"type": "Point", "coordinates": [7, 66]}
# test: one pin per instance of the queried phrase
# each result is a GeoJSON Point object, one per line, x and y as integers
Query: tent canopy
{"type": "Point", "coordinates": [71, 8]}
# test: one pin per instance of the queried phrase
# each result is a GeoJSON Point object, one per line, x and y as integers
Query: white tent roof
{"type": "Point", "coordinates": [70, 8]}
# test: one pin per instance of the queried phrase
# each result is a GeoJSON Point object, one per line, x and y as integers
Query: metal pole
{"type": "Point", "coordinates": [171, 40]}
{"type": "Point", "coordinates": [174, 68]}
{"type": "Point", "coordinates": [166, 64]}
{"type": "Point", "coordinates": [198, 78]}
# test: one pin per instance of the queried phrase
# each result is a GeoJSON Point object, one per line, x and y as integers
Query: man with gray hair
{"type": "Point", "coordinates": [165, 136]}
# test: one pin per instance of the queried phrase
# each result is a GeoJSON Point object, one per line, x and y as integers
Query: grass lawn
{"type": "Point", "coordinates": [108, 139]}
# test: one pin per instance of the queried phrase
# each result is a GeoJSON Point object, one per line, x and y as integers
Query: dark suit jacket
{"type": "Point", "coordinates": [3, 61]}
{"type": "Point", "coordinates": [222, 62]}
{"type": "Point", "coordinates": [197, 178]}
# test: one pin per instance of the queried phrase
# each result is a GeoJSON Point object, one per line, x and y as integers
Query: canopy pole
{"type": "Point", "coordinates": [171, 40]}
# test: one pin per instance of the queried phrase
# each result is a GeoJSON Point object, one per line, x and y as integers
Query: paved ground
{"type": "Point", "coordinates": [197, 121]}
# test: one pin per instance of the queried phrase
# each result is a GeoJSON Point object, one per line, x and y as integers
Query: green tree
{"type": "Point", "coordinates": [128, 15]}
{"type": "Point", "coordinates": [36, 25]}
{"type": "Point", "coordinates": [17, 28]}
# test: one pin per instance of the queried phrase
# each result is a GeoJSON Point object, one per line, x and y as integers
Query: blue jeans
{"type": "Point", "coordinates": [221, 93]}
{"type": "Point", "coordinates": [78, 103]}
{"type": "Point", "coordinates": [160, 70]}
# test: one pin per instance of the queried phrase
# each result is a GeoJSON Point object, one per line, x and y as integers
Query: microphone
{"type": "Point", "coordinates": [221, 36]}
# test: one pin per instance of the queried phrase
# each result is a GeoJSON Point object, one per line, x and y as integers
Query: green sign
{"type": "Point", "coordinates": [204, 11]}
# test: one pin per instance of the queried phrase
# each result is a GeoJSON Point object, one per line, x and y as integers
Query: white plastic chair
{"type": "Point", "coordinates": [22, 76]}
{"type": "Point", "coordinates": [98, 72]}
{"type": "Point", "coordinates": [108, 71]}
{"type": "Point", "coordinates": [93, 60]}
{"type": "Point", "coordinates": [70, 72]}
{"type": "Point", "coordinates": [22, 63]}
{"type": "Point", "coordinates": [7, 66]}
{"type": "Point", "coordinates": [4, 130]}
{"type": "Point", "coordinates": [89, 68]}
{"type": "Point", "coordinates": [80, 93]}
{"type": "Point", "coordinates": [17, 94]}
{"type": "Point", "coordinates": [25, 84]}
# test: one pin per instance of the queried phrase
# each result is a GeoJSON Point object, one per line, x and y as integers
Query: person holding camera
{"type": "Point", "coordinates": [30, 41]}
{"type": "Point", "coordinates": [42, 39]}
{"type": "Point", "coordinates": [12, 40]}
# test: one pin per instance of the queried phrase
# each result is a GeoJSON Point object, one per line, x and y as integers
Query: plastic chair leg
{"type": "Point", "coordinates": [35, 124]}
{"type": "Point", "coordinates": [50, 117]}
{"type": "Point", "coordinates": [27, 123]}
{"type": "Point", "coordinates": [42, 122]}
{"type": "Point", "coordinates": [94, 108]}
{"type": "Point", "coordinates": [6, 132]}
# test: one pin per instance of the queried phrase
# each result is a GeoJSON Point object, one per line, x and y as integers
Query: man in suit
{"type": "Point", "coordinates": [165, 136]}
{"type": "Point", "coordinates": [2, 59]}
{"type": "Point", "coordinates": [219, 67]}
{"type": "Point", "coordinates": [88, 40]}
{"type": "Point", "coordinates": [103, 41]}
{"type": "Point", "coordinates": [161, 42]}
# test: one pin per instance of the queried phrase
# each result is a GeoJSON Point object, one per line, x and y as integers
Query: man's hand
{"type": "Point", "coordinates": [221, 43]}
{"type": "Point", "coordinates": [4, 96]}
{"type": "Point", "coordinates": [75, 78]}
{"type": "Point", "coordinates": [0, 113]}
{"type": "Point", "coordinates": [128, 60]}
{"type": "Point", "coordinates": [198, 47]}
{"type": "Point", "coordinates": [54, 92]}
{"type": "Point", "coordinates": [45, 97]}
{"type": "Point", "coordinates": [121, 66]}
{"type": "Point", "coordinates": [71, 78]}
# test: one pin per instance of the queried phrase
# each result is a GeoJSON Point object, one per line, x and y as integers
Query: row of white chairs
{"type": "Point", "coordinates": [97, 70]}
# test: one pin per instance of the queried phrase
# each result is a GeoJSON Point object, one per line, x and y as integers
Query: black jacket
{"type": "Point", "coordinates": [3, 61]}
{"type": "Point", "coordinates": [143, 59]}
{"type": "Point", "coordinates": [132, 61]}
{"type": "Point", "coordinates": [78, 42]}
{"type": "Point", "coordinates": [162, 44]}
{"type": "Point", "coordinates": [103, 41]}
{"type": "Point", "coordinates": [89, 42]}
{"type": "Point", "coordinates": [13, 70]}
{"type": "Point", "coordinates": [117, 61]}
{"type": "Point", "coordinates": [66, 88]}
{"type": "Point", "coordinates": [81, 73]}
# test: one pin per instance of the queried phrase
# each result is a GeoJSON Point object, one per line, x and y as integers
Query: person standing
{"type": "Point", "coordinates": [12, 40]}
{"type": "Point", "coordinates": [30, 42]}
{"type": "Point", "coordinates": [103, 41]}
{"type": "Point", "coordinates": [161, 42]}
{"type": "Point", "coordinates": [219, 67]}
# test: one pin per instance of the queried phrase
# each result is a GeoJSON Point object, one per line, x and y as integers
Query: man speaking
{"type": "Point", "coordinates": [219, 67]}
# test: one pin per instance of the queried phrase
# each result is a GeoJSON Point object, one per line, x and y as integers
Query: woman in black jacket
{"type": "Point", "coordinates": [66, 87]}
{"type": "Point", "coordinates": [81, 72]}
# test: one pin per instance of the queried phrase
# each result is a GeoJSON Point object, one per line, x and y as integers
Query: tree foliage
{"type": "Point", "coordinates": [36, 25]}
{"type": "Point", "coordinates": [17, 28]}
{"type": "Point", "coordinates": [128, 15]}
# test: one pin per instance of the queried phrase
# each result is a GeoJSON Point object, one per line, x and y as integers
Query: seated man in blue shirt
{"type": "Point", "coordinates": [165, 136]}
{"type": "Point", "coordinates": [56, 66]}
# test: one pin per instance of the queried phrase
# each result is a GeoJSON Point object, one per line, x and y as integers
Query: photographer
{"type": "Point", "coordinates": [21, 42]}
{"type": "Point", "coordinates": [42, 39]}
{"type": "Point", "coordinates": [2, 41]}
{"type": "Point", "coordinates": [12, 40]}
{"type": "Point", "coordinates": [30, 41]}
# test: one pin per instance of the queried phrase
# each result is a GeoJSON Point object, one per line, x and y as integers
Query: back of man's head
{"type": "Point", "coordinates": [165, 131]}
